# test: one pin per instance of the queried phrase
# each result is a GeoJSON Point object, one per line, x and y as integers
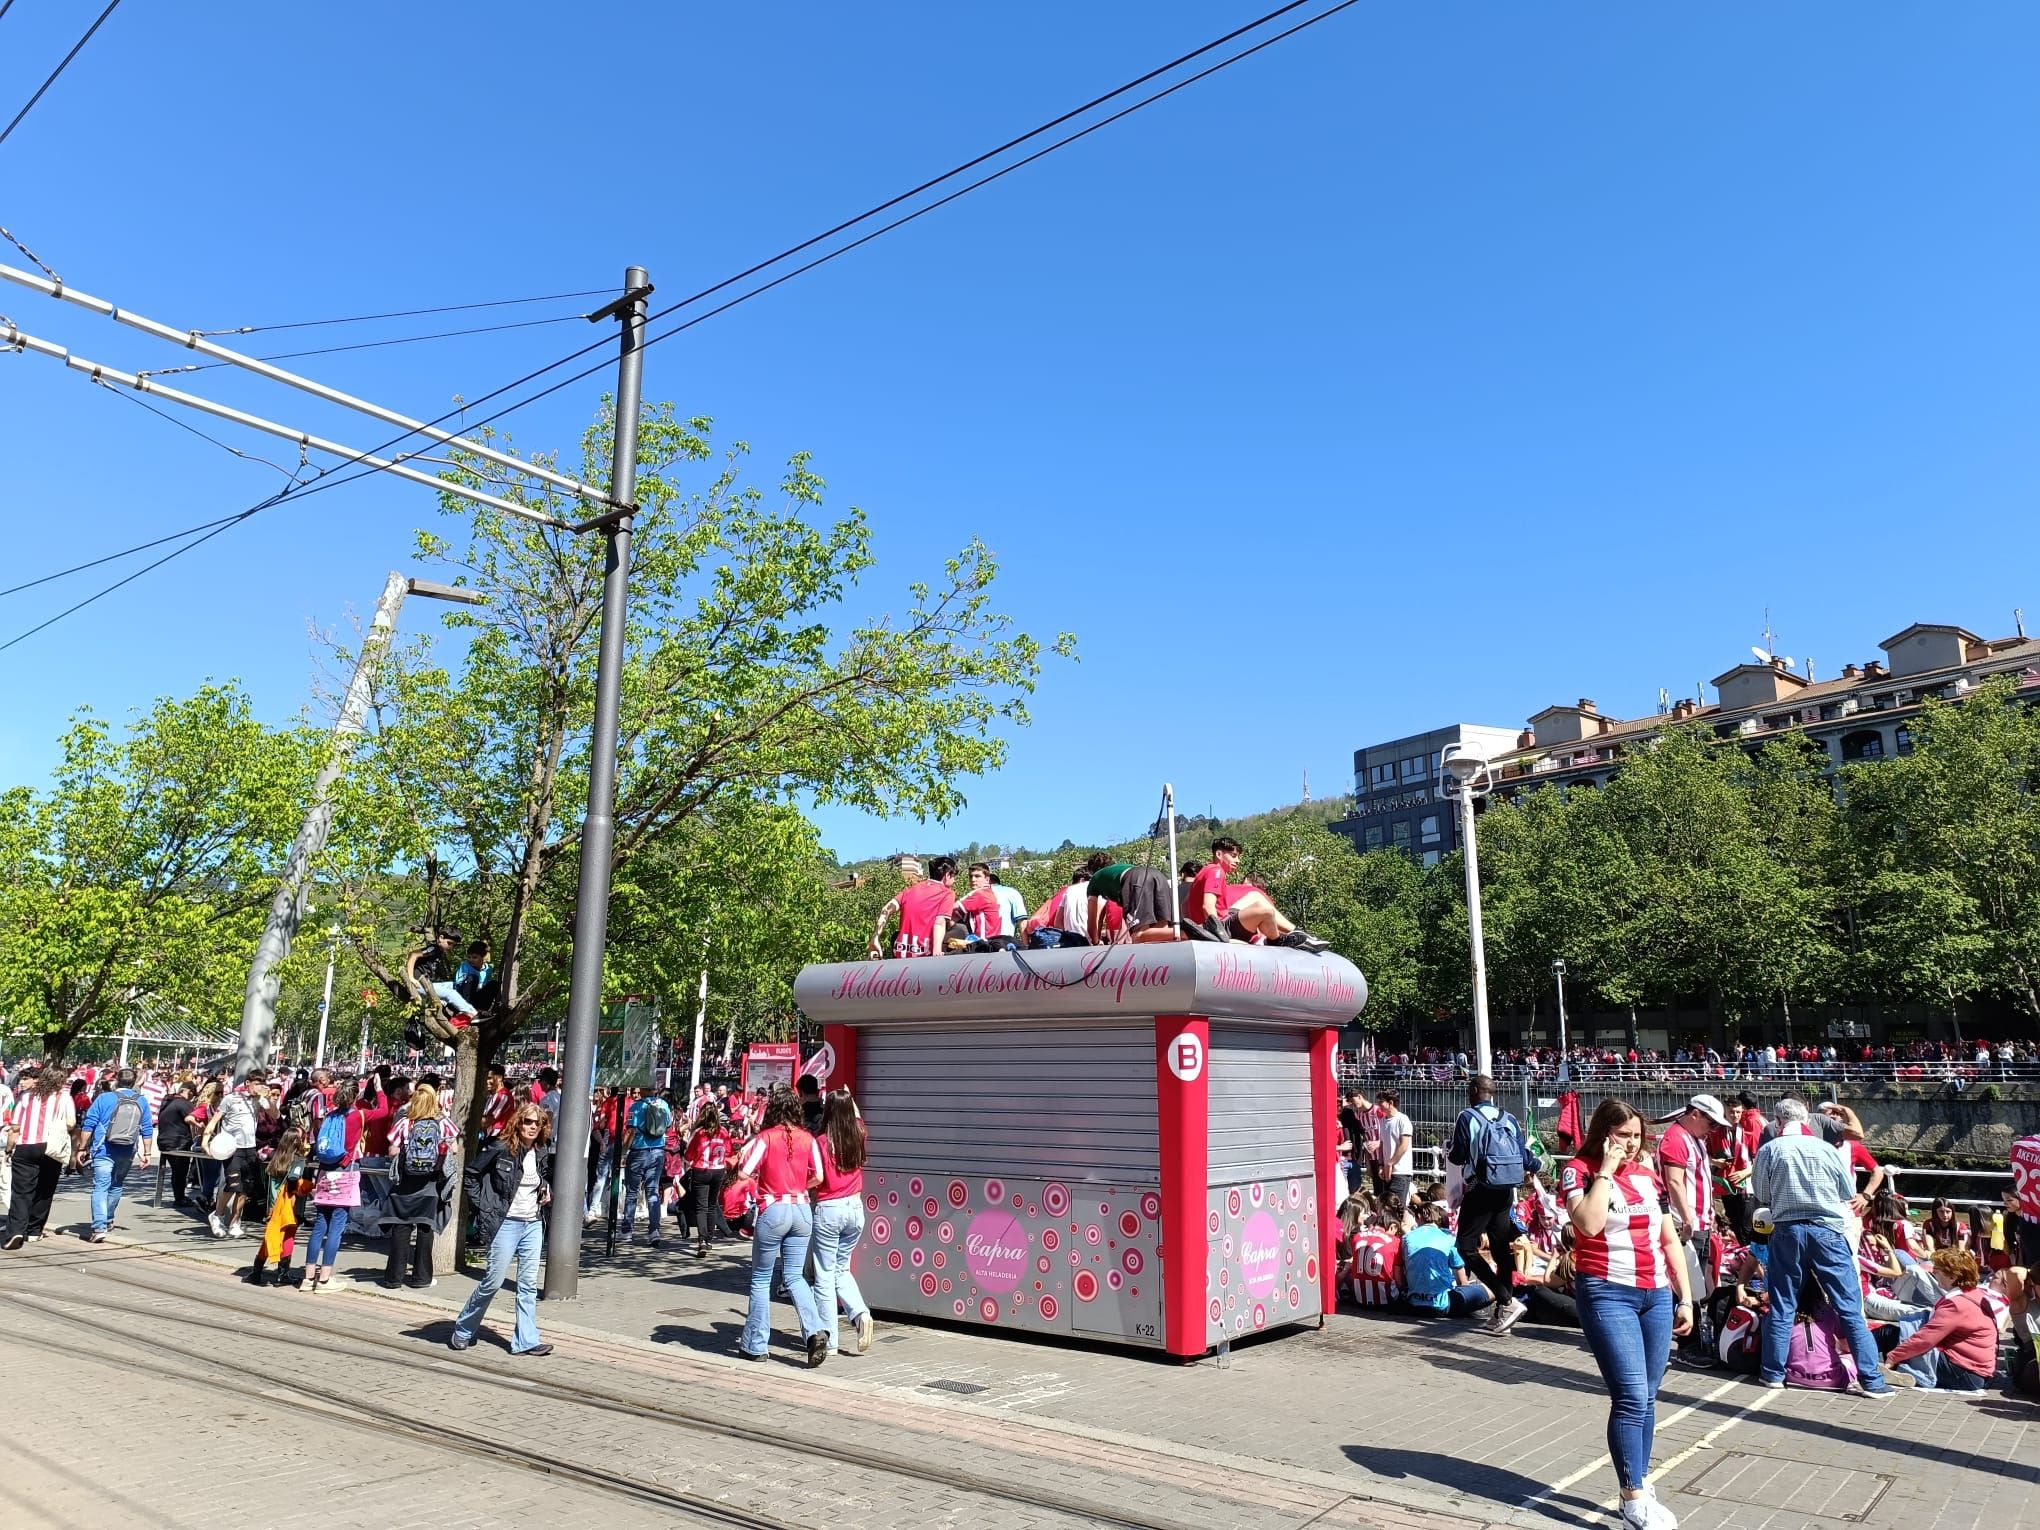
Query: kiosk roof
{"type": "Point", "coordinates": [1269, 984]}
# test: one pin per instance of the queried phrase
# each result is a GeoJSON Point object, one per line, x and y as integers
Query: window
{"type": "Point", "coordinates": [1430, 857]}
{"type": "Point", "coordinates": [1903, 740]}
{"type": "Point", "coordinates": [1413, 768]}
{"type": "Point", "coordinates": [1830, 710]}
{"type": "Point", "coordinates": [1382, 775]}
{"type": "Point", "coordinates": [1428, 828]}
{"type": "Point", "coordinates": [1864, 744]}
{"type": "Point", "coordinates": [1400, 831]}
{"type": "Point", "coordinates": [1374, 837]}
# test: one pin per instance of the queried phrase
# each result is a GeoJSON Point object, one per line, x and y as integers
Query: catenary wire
{"type": "Point", "coordinates": [8, 131]}
{"type": "Point", "coordinates": [33, 258]}
{"type": "Point", "coordinates": [368, 345]}
{"type": "Point", "coordinates": [412, 313]}
{"type": "Point", "coordinates": [335, 476]}
{"type": "Point", "coordinates": [162, 414]}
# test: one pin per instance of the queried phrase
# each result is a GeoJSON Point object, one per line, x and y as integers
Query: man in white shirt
{"type": "Point", "coordinates": [1394, 1140]}
{"type": "Point", "coordinates": [242, 1170]}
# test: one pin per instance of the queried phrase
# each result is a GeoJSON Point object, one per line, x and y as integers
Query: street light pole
{"type": "Point", "coordinates": [1470, 773]}
{"type": "Point", "coordinates": [598, 832]}
{"type": "Point", "coordinates": [1558, 971]}
{"type": "Point", "coordinates": [326, 1003]}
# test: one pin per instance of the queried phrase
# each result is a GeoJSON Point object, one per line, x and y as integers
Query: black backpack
{"type": "Point", "coordinates": [422, 1142]}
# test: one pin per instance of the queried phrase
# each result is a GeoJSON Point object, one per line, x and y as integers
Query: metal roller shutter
{"type": "Point", "coordinates": [1075, 1103]}
{"type": "Point", "coordinates": [1260, 1105]}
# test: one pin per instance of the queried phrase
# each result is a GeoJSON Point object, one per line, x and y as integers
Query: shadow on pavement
{"type": "Point", "coordinates": [1467, 1478]}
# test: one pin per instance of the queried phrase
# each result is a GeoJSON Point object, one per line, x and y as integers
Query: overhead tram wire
{"type": "Point", "coordinates": [413, 313]}
{"type": "Point", "coordinates": [336, 476]}
{"type": "Point", "coordinates": [8, 131]}
{"type": "Point", "coordinates": [363, 345]}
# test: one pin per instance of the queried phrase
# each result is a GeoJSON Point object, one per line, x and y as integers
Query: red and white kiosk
{"type": "Point", "coordinates": [1133, 1143]}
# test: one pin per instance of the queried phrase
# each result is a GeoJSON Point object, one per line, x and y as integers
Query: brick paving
{"type": "Point", "coordinates": [1367, 1422]}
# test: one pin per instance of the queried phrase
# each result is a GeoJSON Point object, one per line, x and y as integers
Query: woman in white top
{"type": "Point", "coordinates": [507, 1186]}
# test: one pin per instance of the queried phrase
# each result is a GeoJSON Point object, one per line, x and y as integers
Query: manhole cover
{"type": "Point", "coordinates": [894, 1338]}
{"type": "Point", "coordinates": [1793, 1487]}
{"type": "Point", "coordinates": [962, 1388]}
{"type": "Point", "coordinates": [682, 1311]}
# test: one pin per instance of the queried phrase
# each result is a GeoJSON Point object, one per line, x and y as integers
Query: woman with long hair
{"type": "Point", "coordinates": [1944, 1228]}
{"type": "Point", "coordinates": [708, 1166]}
{"type": "Point", "coordinates": [509, 1186]}
{"type": "Point", "coordinates": [292, 1176]}
{"type": "Point", "coordinates": [787, 1164]}
{"type": "Point", "coordinates": [39, 1130]}
{"type": "Point", "coordinates": [418, 1185]}
{"type": "Point", "coordinates": [1627, 1261]}
{"type": "Point", "coordinates": [839, 1218]}
{"type": "Point", "coordinates": [205, 1112]}
{"type": "Point", "coordinates": [338, 1191]}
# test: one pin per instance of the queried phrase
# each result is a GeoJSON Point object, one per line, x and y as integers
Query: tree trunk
{"type": "Point", "coordinates": [467, 1114]}
{"type": "Point", "coordinates": [729, 1046]}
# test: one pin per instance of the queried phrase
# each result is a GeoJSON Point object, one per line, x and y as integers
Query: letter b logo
{"type": "Point", "coordinates": [1186, 1057]}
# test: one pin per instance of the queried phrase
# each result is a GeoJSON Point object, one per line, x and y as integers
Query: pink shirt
{"type": "Point", "coordinates": [838, 1183]}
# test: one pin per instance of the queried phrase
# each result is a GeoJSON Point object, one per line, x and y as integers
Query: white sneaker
{"type": "Point", "coordinates": [1646, 1513]}
{"type": "Point", "coordinates": [235, 1230]}
{"type": "Point", "coordinates": [863, 1333]}
{"type": "Point", "coordinates": [1510, 1315]}
{"type": "Point", "coordinates": [212, 1220]}
{"type": "Point", "coordinates": [1667, 1518]}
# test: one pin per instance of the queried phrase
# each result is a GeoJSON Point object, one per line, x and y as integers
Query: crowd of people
{"type": "Point", "coordinates": [297, 1159]}
{"type": "Point", "coordinates": [1925, 1060]}
{"type": "Point", "coordinates": [1762, 1244]}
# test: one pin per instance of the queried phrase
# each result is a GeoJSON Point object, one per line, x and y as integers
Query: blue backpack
{"type": "Point", "coordinates": [1499, 1156]}
{"type": "Point", "coordinates": [332, 1146]}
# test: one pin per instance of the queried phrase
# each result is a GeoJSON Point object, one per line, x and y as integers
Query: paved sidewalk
{"type": "Point", "coordinates": [1436, 1418]}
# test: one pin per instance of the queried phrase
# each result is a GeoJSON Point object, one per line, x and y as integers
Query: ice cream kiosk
{"type": "Point", "coordinates": [1130, 1143]}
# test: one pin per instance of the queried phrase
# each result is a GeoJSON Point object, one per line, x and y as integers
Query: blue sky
{"type": "Point", "coordinates": [1438, 364]}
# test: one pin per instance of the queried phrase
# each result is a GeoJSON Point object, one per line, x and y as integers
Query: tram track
{"type": "Point", "coordinates": [290, 1329]}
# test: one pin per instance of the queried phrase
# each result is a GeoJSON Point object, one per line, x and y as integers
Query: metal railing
{"type": "Point", "coordinates": [1580, 1074]}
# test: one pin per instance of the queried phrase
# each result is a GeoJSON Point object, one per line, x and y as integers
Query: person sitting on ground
{"type": "Point", "coordinates": [1231, 913]}
{"type": "Point", "coordinates": [1374, 1270]}
{"type": "Point", "coordinates": [428, 973]}
{"type": "Point", "coordinates": [1961, 1335]}
{"type": "Point", "coordinates": [1544, 1283]}
{"type": "Point", "coordinates": [922, 909]}
{"type": "Point", "coordinates": [1435, 1274]}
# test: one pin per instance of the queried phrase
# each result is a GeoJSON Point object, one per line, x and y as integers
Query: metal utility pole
{"type": "Point", "coordinates": [287, 908]}
{"type": "Point", "coordinates": [1564, 1066]}
{"type": "Point", "coordinates": [700, 1024]}
{"type": "Point", "coordinates": [1473, 776]}
{"type": "Point", "coordinates": [326, 1003]}
{"type": "Point", "coordinates": [598, 833]}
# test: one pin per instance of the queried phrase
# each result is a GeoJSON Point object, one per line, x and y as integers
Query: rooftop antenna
{"type": "Point", "coordinates": [2019, 621]}
{"type": "Point", "coordinates": [1664, 701]}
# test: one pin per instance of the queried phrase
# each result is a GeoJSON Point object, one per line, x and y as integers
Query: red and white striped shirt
{"type": "Point", "coordinates": [1681, 1147]}
{"type": "Point", "coordinates": [2026, 1175]}
{"type": "Point", "coordinates": [43, 1120]}
{"type": "Point", "coordinates": [1371, 1270]}
{"type": "Point", "coordinates": [1627, 1250]}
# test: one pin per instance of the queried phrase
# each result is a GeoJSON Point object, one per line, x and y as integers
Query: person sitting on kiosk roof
{"type": "Point", "coordinates": [1236, 914]}
{"type": "Point", "coordinates": [923, 910]}
{"type": "Point", "coordinates": [1142, 894]}
{"type": "Point", "coordinates": [990, 928]}
{"type": "Point", "coordinates": [1064, 918]}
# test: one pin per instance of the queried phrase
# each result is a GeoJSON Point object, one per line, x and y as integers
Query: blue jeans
{"type": "Point", "coordinates": [1800, 1250]}
{"type": "Point", "coordinates": [1950, 1377]}
{"type": "Point", "coordinates": [525, 1241]}
{"type": "Point", "coordinates": [781, 1237]}
{"type": "Point", "coordinates": [838, 1226]}
{"type": "Point", "coordinates": [109, 1172]}
{"type": "Point", "coordinates": [1629, 1331]}
{"type": "Point", "coordinates": [329, 1224]}
{"type": "Point", "coordinates": [641, 1173]}
{"type": "Point", "coordinates": [453, 998]}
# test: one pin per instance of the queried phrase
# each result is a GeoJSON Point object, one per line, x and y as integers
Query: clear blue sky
{"type": "Point", "coordinates": [1439, 364]}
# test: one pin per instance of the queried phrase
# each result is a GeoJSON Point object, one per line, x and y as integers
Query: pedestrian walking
{"type": "Point", "coordinates": [337, 1152]}
{"type": "Point", "coordinates": [839, 1219]}
{"type": "Point", "coordinates": [787, 1165]}
{"type": "Point", "coordinates": [6, 1146]}
{"type": "Point", "coordinates": [1627, 1262]}
{"type": "Point", "coordinates": [1490, 1145]}
{"type": "Point", "coordinates": [418, 1202]}
{"type": "Point", "coordinates": [39, 1131]}
{"type": "Point", "coordinates": [119, 1129]}
{"type": "Point", "coordinates": [644, 1163]}
{"type": "Point", "coordinates": [509, 1186]}
{"type": "Point", "coordinates": [708, 1166]}
{"type": "Point", "coordinates": [173, 1140]}
{"type": "Point", "coordinates": [1807, 1187]}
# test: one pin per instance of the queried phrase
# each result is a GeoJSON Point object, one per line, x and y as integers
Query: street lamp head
{"type": "Point", "coordinates": [1470, 772]}
{"type": "Point", "coordinates": [1558, 967]}
{"type": "Point", "coordinates": [453, 592]}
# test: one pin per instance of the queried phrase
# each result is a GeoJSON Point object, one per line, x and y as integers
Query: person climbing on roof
{"type": "Point", "coordinates": [1141, 893]}
{"type": "Point", "coordinates": [923, 910]}
{"type": "Point", "coordinates": [1231, 913]}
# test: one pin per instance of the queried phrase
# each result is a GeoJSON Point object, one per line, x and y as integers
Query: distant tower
{"type": "Point", "coordinates": [1306, 788]}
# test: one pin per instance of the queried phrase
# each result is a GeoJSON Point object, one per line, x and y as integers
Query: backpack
{"type": "Point", "coordinates": [422, 1142]}
{"type": "Point", "coordinates": [300, 1113]}
{"type": "Point", "coordinates": [126, 1125]}
{"type": "Point", "coordinates": [1499, 1156]}
{"type": "Point", "coordinates": [332, 1147]}
{"type": "Point", "coordinates": [654, 1117]}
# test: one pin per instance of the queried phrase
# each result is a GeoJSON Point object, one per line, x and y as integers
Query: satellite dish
{"type": "Point", "coordinates": [1763, 655]}
{"type": "Point", "coordinates": [1790, 661]}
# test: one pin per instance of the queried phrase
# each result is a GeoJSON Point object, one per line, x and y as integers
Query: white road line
{"type": "Point", "coordinates": [1603, 1462]}
{"type": "Point", "coordinates": [1764, 1398]}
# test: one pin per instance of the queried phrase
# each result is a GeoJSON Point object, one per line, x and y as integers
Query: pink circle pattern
{"type": "Point", "coordinates": [1295, 1289]}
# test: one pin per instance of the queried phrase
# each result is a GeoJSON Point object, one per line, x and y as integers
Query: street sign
{"type": "Point", "coordinates": [822, 1065]}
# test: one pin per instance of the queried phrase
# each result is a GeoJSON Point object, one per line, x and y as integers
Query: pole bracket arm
{"type": "Point", "coordinates": [616, 309]}
{"type": "Point", "coordinates": [606, 521]}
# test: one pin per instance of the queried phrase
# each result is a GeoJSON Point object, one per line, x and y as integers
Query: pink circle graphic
{"type": "Point", "coordinates": [988, 1310]}
{"type": "Point", "coordinates": [1217, 1311]}
{"type": "Point", "coordinates": [946, 1233]}
{"type": "Point", "coordinates": [1295, 1298]}
{"type": "Point", "coordinates": [996, 1249]}
{"type": "Point", "coordinates": [1104, 1210]}
{"type": "Point", "coordinates": [931, 1207]}
{"type": "Point", "coordinates": [961, 1306]}
{"type": "Point", "coordinates": [995, 1191]}
{"type": "Point", "coordinates": [1043, 1264]}
{"type": "Point", "coordinates": [1260, 1254]}
{"type": "Point", "coordinates": [930, 1285]}
{"type": "Point", "coordinates": [1129, 1225]}
{"type": "Point", "coordinates": [892, 1198]}
{"type": "Point", "coordinates": [1049, 1308]}
{"type": "Point", "coordinates": [914, 1186]}
{"type": "Point", "coordinates": [1114, 1279]}
{"type": "Point", "coordinates": [1294, 1232]}
{"type": "Point", "coordinates": [1132, 1261]}
{"type": "Point", "coordinates": [1224, 1278]}
{"type": "Point", "coordinates": [1086, 1286]}
{"type": "Point", "coordinates": [913, 1229]}
{"type": "Point", "coordinates": [1310, 1269]}
{"type": "Point", "coordinates": [918, 1257]}
{"type": "Point", "coordinates": [1232, 1202]}
{"type": "Point", "coordinates": [1211, 1224]}
{"type": "Point", "coordinates": [1255, 1193]}
{"type": "Point", "coordinates": [1032, 1211]}
{"type": "Point", "coordinates": [881, 1230]}
{"type": "Point", "coordinates": [946, 1285]}
{"type": "Point", "coordinates": [1051, 1239]}
{"type": "Point", "coordinates": [938, 1259]}
{"type": "Point", "coordinates": [959, 1193]}
{"type": "Point", "coordinates": [1151, 1206]}
{"type": "Point", "coordinates": [871, 1203]}
{"type": "Point", "coordinates": [1225, 1248]}
{"type": "Point", "coordinates": [1094, 1234]}
{"type": "Point", "coordinates": [894, 1260]}
{"type": "Point", "coordinates": [1260, 1316]}
{"type": "Point", "coordinates": [1295, 1193]}
{"type": "Point", "coordinates": [1055, 1199]}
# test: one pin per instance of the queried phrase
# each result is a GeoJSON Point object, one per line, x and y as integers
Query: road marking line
{"type": "Point", "coordinates": [1757, 1404]}
{"type": "Point", "coordinates": [1604, 1461]}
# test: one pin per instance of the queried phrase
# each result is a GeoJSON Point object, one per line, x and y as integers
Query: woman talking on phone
{"type": "Point", "coordinates": [1627, 1263]}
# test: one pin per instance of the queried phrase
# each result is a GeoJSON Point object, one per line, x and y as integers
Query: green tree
{"type": "Point", "coordinates": [143, 873]}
